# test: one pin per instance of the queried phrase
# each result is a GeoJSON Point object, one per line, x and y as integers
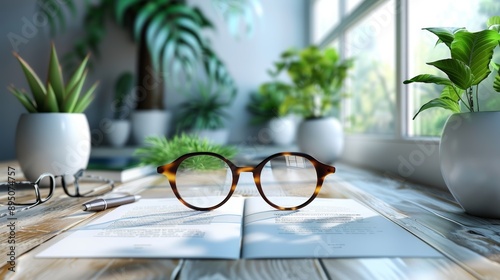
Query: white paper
{"type": "Point", "coordinates": [156, 228]}
{"type": "Point", "coordinates": [326, 228]}
{"type": "Point", "coordinates": [164, 228]}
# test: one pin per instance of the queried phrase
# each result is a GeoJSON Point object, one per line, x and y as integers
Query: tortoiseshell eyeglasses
{"type": "Point", "coordinates": [205, 180]}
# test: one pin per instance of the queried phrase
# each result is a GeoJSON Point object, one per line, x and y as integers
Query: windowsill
{"type": "Point", "coordinates": [410, 159]}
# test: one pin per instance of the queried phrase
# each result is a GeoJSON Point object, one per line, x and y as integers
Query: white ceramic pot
{"type": "Point", "coordinates": [216, 136]}
{"type": "Point", "coordinates": [58, 143]}
{"type": "Point", "coordinates": [322, 138]}
{"type": "Point", "coordinates": [470, 161]}
{"type": "Point", "coordinates": [282, 131]}
{"type": "Point", "coordinates": [118, 133]}
{"type": "Point", "coordinates": [149, 123]}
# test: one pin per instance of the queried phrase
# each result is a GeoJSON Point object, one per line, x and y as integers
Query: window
{"type": "Point", "coordinates": [368, 33]}
{"type": "Point", "coordinates": [371, 42]}
{"type": "Point", "coordinates": [326, 16]}
{"type": "Point", "coordinates": [387, 41]}
{"type": "Point", "coordinates": [420, 50]}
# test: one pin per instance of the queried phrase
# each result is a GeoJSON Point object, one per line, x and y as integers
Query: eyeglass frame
{"type": "Point", "coordinates": [169, 170]}
{"type": "Point", "coordinates": [78, 175]}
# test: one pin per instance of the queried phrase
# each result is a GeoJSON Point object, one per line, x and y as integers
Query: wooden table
{"type": "Point", "coordinates": [470, 245]}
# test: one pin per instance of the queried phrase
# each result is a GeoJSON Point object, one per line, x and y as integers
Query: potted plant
{"type": "Point", "coordinates": [469, 154]}
{"type": "Point", "coordinates": [268, 106]}
{"type": "Point", "coordinates": [170, 35]}
{"type": "Point", "coordinates": [55, 136]}
{"type": "Point", "coordinates": [317, 77]}
{"type": "Point", "coordinates": [119, 127]}
{"type": "Point", "coordinates": [203, 113]}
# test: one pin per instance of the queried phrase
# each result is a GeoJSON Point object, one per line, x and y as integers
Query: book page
{"type": "Point", "coordinates": [326, 228]}
{"type": "Point", "coordinates": [156, 228]}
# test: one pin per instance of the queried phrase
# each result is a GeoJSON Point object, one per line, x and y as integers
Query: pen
{"type": "Point", "coordinates": [105, 203]}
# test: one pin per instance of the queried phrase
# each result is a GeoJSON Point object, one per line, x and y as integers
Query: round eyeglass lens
{"type": "Point", "coordinates": [203, 180]}
{"type": "Point", "coordinates": [288, 176]}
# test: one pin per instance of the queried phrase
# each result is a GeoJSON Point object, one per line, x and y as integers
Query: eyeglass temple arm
{"type": "Point", "coordinates": [36, 186]}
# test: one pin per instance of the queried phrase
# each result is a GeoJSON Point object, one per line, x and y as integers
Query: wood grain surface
{"type": "Point", "coordinates": [470, 245]}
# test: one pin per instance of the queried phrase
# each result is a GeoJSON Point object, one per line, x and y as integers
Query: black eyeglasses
{"type": "Point", "coordinates": [30, 194]}
{"type": "Point", "coordinates": [205, 181]}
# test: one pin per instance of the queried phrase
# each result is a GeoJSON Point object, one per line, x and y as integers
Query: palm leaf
{"type": "Point", "coordinates": [144, 14]}
{"type": "Point", "coordinates": [53, 11]}
{"type": "Point", "coordinates": [156, 38]}
{"type": "Point", "coordinates": [121, 7]}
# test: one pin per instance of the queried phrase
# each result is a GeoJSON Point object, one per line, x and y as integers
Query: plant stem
{"type": "Point", "coordinates": [471, 99]}
{"type": "Point", "coordinates": [477, 97]}
{"type": "Point", "coordinates": [461, 100]}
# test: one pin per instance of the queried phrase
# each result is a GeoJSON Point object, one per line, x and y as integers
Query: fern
{"type": "Point", "coordinates": [160, 150]}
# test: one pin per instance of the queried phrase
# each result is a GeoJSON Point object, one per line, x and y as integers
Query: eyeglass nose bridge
{"type": "Point", "coordinates": [255, 170]}
{"type": "Point", "coordinates": [237, 170]}
{"type": "Point", "coordinates": [242, 169]}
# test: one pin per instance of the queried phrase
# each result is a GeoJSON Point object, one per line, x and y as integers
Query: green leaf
{"type": "Point", "coordinates": [24, 99]}
{"type": "Point", "coordinates": [427, 78]}
{"type": "Point", "coordinates": [181, 10]}
{"type": "Point", "coordinates": [496, 82]}
{"type": "Point", "coordinates": [55, 78]}
{"type": "Point", "coordinates": [76, 75]}
{"type": "Point", "coordinates": [53, 11]}
{"type": "Point", "coordinates": [86, 99]}
{"type": "Point", "coordinates": [144, 14]}
{"type": "Point", "coordinates": [445, 34]}
{"type": "Point", "coordinates": [451, 92]}
{"type": "Point", "coordinates": [457, 71]}
{"type": "Point", "coordinates": [189, 41]}
{"type": "Point", "coordinates": [169, 52]}
{"type": "Point", "coordinates": [493, 23]}
{"type": "Point", "coordinates": [121, 8]}
{"type": "Point", "coordinates": [50, 104]}
{"type": "Point", "coordinates": [476, 51]}
{"type": "Point", "coordinates": [36, 86]}
{"type": "Point", "coordinates": [73, 94]}
{"type": "Point", "coordinates": [157, 35]}
{"type": "Point", "coordinates": [440, 102]}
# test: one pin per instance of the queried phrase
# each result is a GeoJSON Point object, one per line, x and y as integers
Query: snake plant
{"type": "Point", "coordinates": [55, 95]}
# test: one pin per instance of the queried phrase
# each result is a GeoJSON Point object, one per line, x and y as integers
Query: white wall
{"type": "Point", "coordinates": [284, 24]}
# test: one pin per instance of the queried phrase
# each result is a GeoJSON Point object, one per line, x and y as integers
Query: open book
{"type": "Point", "coordinates": [241, 228]}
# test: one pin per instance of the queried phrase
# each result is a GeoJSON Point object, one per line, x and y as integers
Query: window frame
{"type": "Point", "coordinates": [411, 158]}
